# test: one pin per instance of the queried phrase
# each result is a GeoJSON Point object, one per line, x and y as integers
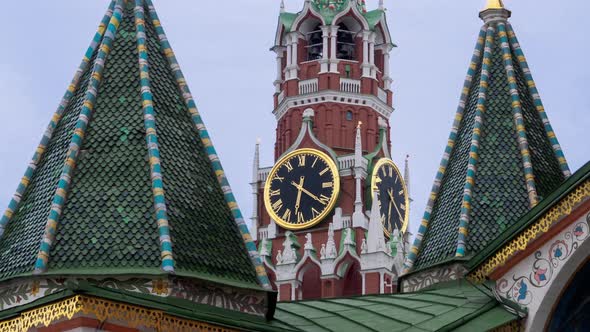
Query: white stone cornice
{"type": "Point", "coordinates": [334, 96]}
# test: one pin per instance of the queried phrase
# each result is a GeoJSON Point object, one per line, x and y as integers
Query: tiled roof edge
{"type": "Point", "coordinates": [477, 54]}
{"type": "Point", "coordinates": [151, 137]}
{"type": "Point", "coordinates": [475, 141]}
{"type": "Point", "coordinates": [538, 103]}
{"type": "Point", "coordinates": [209, 149]}
{"type": "Point", "coordinates": [523, 143]}
{"type": "Point", "coordinates": [77, 140]}
{"type": "Point", "coordinates": [25, 181]}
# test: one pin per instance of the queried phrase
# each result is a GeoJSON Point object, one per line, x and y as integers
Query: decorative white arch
{"type": "Point", "coordinates": [307, 10]}
{"type": "Point", "coordinates": [556, 289]}
{"type": "Point", "coordinates": [538, 280]}
{"type": "Point", "coordinates": [351, 9]}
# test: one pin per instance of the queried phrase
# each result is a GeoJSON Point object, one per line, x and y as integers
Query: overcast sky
{"type": "Point", "coordinates": [222, 47]}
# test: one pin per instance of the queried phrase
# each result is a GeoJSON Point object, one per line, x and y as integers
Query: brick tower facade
{"type": "Point", "coordinates": [333, 94]}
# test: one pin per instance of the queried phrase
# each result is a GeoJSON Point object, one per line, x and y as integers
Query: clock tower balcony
{"type": "Point", "coordinates": [348, 79]}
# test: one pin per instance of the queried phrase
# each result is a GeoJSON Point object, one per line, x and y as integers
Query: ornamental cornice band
{"type": "Point", "coordinates": [522, 241]}
{"type": "Point", "coordinates": [134, 316]}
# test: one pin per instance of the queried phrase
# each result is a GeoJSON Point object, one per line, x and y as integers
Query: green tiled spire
{"type": "Point", "coordinates": [502, 156]}
{"type": "Point", "coordinates": [126, 180]}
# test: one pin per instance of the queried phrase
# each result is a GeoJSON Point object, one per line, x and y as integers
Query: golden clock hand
{"type": "Point", "coordinates": [307, 192]}
{"type": "Point", "coordinates": [301, 179]}
{"type": "Point", "coordinates": [389, 213]}
{"type": "Point", "coordinates": [390, 193]}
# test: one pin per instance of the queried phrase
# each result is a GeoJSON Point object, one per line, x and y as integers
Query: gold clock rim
{"type": "Point", "coordinates": [378, 165]}
{"type": "Point", "coordinates": [333, 168]}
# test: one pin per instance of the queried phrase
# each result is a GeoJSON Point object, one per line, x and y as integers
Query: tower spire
{"type": "Point", "coordinates": [282, 6]}
{"type": "Point", "coordinates": [494, 4]}
{"type": "Point", "coordinates": [494, 11]}
{"type": "Point", "coordinates": [499, 90]}
{"type": "Point", "coordinates": [407, 175]}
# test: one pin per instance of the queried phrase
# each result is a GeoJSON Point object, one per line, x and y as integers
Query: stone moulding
{"type": "Point", "coordinates": [134, 316]}
{"type": "Point", "coordinates": [433, 276]}
{"type": "Point", "coordinates": [229, 298]}
{"type": "Point", "coordinates": [526, 237]}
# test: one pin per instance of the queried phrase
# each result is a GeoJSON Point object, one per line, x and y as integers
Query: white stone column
{"type": "Point", "coordinates": [279, 80]}
{"type": "Point", "coordinates": [325, 49]}
{"type": "Point", "coordinates": [294, 56]}
{"type": "Point", "coordinates": [372, 55]}
{"type": "Point", "coordinates": [289, 58]}
{"type": "Point", "coordinates": [366, 67]}
{"type": "Point", "coordinates": [333, 55]}
{"type": "Point", "coordinates": [386, 75]}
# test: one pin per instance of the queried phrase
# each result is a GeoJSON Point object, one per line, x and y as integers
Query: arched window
{"type": "Point", "coordinates": [349, 115]}
{"type": "Point", "coordinates": [315, 44]}
{"type": "Point", "coordinates": [345, 46]}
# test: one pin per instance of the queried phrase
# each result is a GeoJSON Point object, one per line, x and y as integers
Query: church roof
{"type": "Point", "coordinates": [456, 306]}
{"type": "Point", "coordinates": [329, 9]}
{"type": "Point", "coordinates": [126, 179]}
{"type": "Point", "coordinates": [577, 184]}
{"type": "Point", "coordinates": [502, 156]}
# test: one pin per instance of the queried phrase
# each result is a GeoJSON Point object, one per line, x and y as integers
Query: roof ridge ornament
{"type": "Point", "coordinates": [494, 11]}
{"type": "Point", "coordinates": [494, 4]}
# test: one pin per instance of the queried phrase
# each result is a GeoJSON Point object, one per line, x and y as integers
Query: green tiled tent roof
{"type": "Point", "coordinates": [502, 157]}
{"type": "Point", "coordinates": [126, 180]}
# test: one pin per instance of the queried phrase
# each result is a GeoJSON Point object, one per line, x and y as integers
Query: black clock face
{"type": "Point", "coordinates": [392, 195]}
{"type": "Point", "coordinates": [301, 189]}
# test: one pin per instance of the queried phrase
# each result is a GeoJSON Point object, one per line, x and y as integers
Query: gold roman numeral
{"type": "Point", "coordinates": [324, 200]}
{"type": "Point", "coordinates": [403, 207]}
{"type": "Point", "coordinates": [301, 160]}
{"type": "Point", "coordinates": [300, 218]}
{"type": "Point", "coordinates": [325, 171]}
{"type": "Point", "coordinates": [278, 178]}
{"type": "Point", "coordinates": [287, 215]}
{"type": "Point", "coordinates": [275, 192]}
{"type": "Point", "coordinates": [289, 166]}
{"type": "Point", "coordinates": [378, 180]}
{"type": "Point", "coordinates": [328, 185]}
{"type": "Point", "coordinates": [277, 205]}
{"type": "Point", "coordinates": [315, 161]}
{"type": "Point", "coordinates": [390, 172]}
{"type": "Point", "coordinates": [314, 212]}
{"type": "Point", "coordinates": [401, 192]}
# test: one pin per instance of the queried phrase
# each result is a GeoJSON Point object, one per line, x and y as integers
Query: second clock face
{"type": "Point", "coordinates": [301, 189]}
{"type": "Point", "coordinates": [392, 194]}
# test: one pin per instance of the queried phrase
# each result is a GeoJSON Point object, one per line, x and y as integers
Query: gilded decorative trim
{"type": "Point", "coordinates": [151, 137]}
{"type": "Point", "coordinates": [477, 54]}
{"type": "Point", "coordinates": [26, 180]}
{"type": "Point", "coordinates": [209, 148]}
{"type": "Point", "coordinates": [65, 180]}
{"type": "Point", "coordinates": [522, 241]}
{"type": "Point", "coordinates": [133, 316]}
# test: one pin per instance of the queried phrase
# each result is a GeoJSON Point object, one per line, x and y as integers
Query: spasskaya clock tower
{"type": "Point", "coordinates": [330, 216]}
